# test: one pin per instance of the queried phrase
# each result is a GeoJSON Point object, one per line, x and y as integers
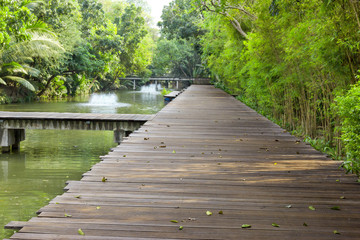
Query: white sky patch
{"type": "Point", "coordinates": [156, 9]}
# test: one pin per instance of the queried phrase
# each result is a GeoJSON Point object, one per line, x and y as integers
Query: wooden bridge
{"type": "Point", "coordinates": [13, 124]}
{"type": "Point", "coordinates": [197, 81]}
{"type": "Point", "coordinates": [205, 167]}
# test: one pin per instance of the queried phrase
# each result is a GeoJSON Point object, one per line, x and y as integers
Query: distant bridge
{"type": "Point", "coordinates": [13, 124]}
{"type": "Point", "coordinates": [197, 81]}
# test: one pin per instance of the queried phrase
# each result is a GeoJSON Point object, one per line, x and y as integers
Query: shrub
{"type": "Point", "coordinates": [348, 108]}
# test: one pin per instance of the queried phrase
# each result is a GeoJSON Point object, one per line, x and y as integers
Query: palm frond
{"type": "Point", "coordinates": [22, 81]}
{"type": "Point", "coordinates": [13, 67]}
{"type": "Point", "coordinates": [31, 71]}
{"type": "Point", "coordinates": [41, 45]}
{"type": "Point", "coordinates": [2, 81]}
{"type": "Point", "coordinates": [39, 27]}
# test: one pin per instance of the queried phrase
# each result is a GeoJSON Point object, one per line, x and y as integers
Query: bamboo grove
{"type": "Point", "coordinates": [293, 61]}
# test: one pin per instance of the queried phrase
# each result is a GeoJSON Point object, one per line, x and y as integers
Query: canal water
{"type": "Point", "coordinates": [35, 174]}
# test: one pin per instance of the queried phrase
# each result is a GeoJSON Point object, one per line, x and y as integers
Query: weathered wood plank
{"type": "Point", "coordinates": [205, 151]}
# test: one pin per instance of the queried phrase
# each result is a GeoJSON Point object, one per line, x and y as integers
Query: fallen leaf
{"type": "Point", "coordinates": [342, 197]}
{"type": "Point", "coordinates": [78, 196]}
{"type": "Point", "coordinates": [336, 232]}
{"type": "Point", "coordinates": [275, 225]}
{"type": "Point", "coordinates": [335, 208]}
{"type": "Point", "coordinates": [181, 228]}
{"type": "Point", "coordinates": [305, 224]}
{"type": "Point", "coordinates": [146, 139]}
{"type": "Point", "coordinates": [245, 226]}
{"type": "Point", "coordinates": [81, 232]}
{"type": "Point", "coordinates": [68, 215]}
{"type": "Point", "coordinates": [162, 146]}
{"type": "Point", "coordinates": [97, 208]}
{"type": "Point", "coordinates": [191, 219]}
{"type": "Point", "coordinates": [124, 155]}
{"type": "Point", "coordinates": [312, 208]}
{"type": "Point", "coordinates": [275, 163]}
{"type": "Point", "coordinates": [173, 151]}
{"type": "Point", "coordinates": [208, 213]}
{"type": "Point", "coordinates": [221, 212]}
{"type": "Point", "coordinates": [104, 179]}
{"type": "Point", "coordinates": [289, 206]}
{"type": "Point", "coordinates": [174, 221]}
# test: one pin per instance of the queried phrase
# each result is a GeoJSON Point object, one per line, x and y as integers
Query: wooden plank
{"type": "Point", "coordinates": [205, 151]}
{"type": "Point", "coordinates": [15, 225]}
{"type": "Point", "coordinates": [73, 116]}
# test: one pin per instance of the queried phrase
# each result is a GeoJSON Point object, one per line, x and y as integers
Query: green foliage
{"type": "Point", "coordinates": [178, 50]}
{"type": "Point", "coordinates": [165, 91]}
{"type": "Point", "coordinates": [288, 60]}
{"type": "Point", "coordinates": [348, 108]}
{"type": "Point", "coordinates": [71, 47]}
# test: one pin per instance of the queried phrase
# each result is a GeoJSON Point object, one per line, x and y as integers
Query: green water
{"type": "Point", "coordinates": [35, 174]}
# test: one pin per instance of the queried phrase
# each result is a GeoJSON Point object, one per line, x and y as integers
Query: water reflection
{"type": "Point", "coordinates": [4, 169]}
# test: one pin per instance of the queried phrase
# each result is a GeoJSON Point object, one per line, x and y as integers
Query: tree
{"type": "Point", "coordinates": [178, 51]}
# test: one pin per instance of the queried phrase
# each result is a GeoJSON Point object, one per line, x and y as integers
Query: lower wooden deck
{"type": "Point", "coordinates": [206, 151]}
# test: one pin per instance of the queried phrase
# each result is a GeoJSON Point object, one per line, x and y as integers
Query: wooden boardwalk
{"type": "Point", "coordinates": [205, 151]}
{"type": "Point", "coordinates": [73, 116]}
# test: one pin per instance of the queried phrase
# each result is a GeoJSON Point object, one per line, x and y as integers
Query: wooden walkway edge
{"type": "Point", "coordinates": [209, 164]}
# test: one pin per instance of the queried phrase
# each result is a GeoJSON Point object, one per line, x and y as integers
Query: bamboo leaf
{"type": "Point", "coordinates": [275, 225]}
{"type": "Point", "coordinates": [245, 226]}
{"type": "Point", "coordinates": [174, 221]}
{"type": "Point", "coordinates": [208, 213]}
{"type": "Point", "coordinates": [81, 232]}
{"type": "Point", "coordinates": [312, 208]}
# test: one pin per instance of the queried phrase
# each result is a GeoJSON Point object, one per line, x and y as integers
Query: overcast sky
{"type": "Point", "coordinates": [156, 8]}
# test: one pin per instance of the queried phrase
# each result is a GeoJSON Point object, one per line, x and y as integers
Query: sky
{"type": "Point", "coordinates": [156, 8]}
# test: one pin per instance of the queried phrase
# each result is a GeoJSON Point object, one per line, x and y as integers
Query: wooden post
{"type": "Point", "coordinates": [10, 139]}
{"type": "Point", "coordinates": [119, 135]}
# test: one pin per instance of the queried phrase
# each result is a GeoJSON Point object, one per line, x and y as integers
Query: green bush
{"type": "Point", "coordinates": [4, 99]}
{"type": "Point", "coordinates": [348, 108]}
{"type": "Point", "coordinates": [165, 91]}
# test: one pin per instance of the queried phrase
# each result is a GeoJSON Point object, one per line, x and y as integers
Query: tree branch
{"type": "Point", "coordinates": [234, 22]}
{"type": "Point", "coordinates": [51, 78]}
